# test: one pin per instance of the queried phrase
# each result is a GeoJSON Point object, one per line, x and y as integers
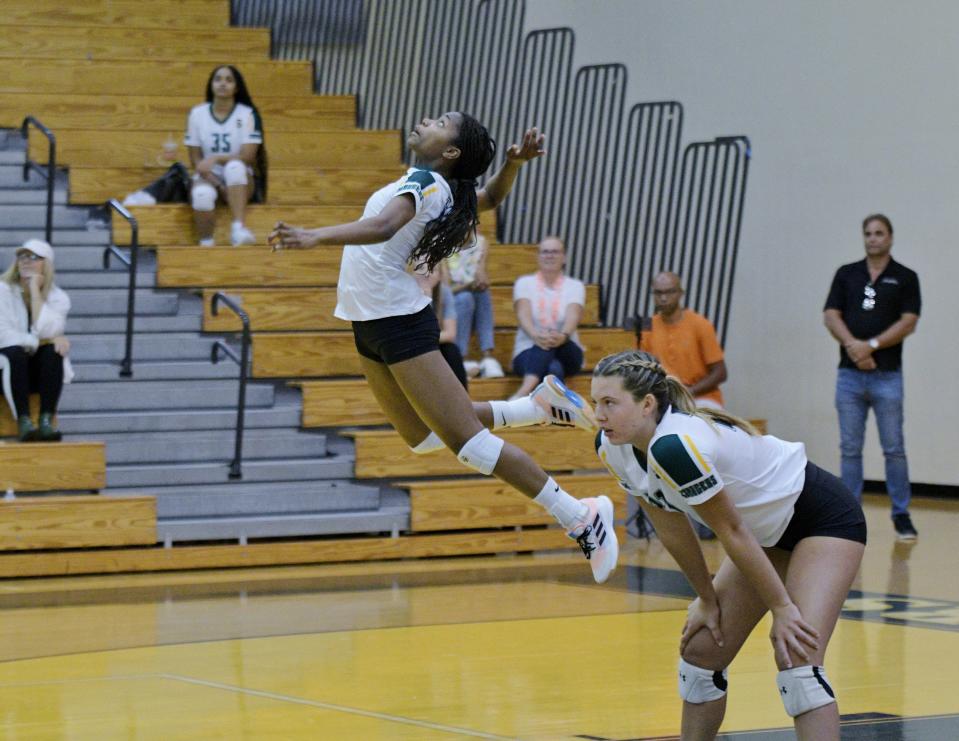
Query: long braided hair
{"type": "Point", "coordinates": [447, 234]}
{"type": "Point", "coordinates": [642, 374]}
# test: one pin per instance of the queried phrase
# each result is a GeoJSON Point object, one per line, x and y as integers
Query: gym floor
{"type": "Point", "coordinates": [521, 647]}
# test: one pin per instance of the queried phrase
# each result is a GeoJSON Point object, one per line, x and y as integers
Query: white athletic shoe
{"type": "Point", "coordinates": [597, 537]}
{"type": "Point", "coordinates": [490, 368]}
{"type": "Point", "coordinates": [564, 406]}
{"type": "Point", "coordinates": [208, 242]}
{"type": "Point", "coordinates": [240, 235]}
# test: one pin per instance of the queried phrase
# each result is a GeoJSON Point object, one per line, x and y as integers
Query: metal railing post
{"type": "Point", "coordinates": [236, 471]}
{"type": "Point", "coordinates": [126, 365]}
{"type": "Point", "coordinates": [51, 166]}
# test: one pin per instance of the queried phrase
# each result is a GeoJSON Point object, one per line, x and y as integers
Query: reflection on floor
{"type": "Point", "coordinates": [520, 648]}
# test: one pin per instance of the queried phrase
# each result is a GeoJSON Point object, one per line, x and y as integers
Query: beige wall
{"type": "Point", "coordinates": [852, 107]}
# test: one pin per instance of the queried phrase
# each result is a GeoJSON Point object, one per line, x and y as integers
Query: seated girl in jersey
{"type": "Point", "coordinates": [793, 533]}
{"type": "Point", "coordinates": [224, 137]}
{"type": "Point", "coordinates": [423, 218]}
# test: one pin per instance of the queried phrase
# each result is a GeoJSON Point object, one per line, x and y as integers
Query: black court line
{"type": "Point", "coordinates": [859, 727]}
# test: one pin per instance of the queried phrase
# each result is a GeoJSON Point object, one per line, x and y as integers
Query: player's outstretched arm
{"type": "Point", "coordinates": [374, 230]}
{"type": "Point", "coordinates": [499, 186]}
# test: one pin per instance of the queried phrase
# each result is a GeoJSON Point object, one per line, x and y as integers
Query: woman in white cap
{"type": "Point", "coordinates": [33, 314]}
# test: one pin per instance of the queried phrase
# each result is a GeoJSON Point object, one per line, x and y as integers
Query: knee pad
{"type": "Point", "coordinates": [430, 444]}
{"type": "Point", "coordinates": [481, 452]}
{"type": "Point", "coordinates": [203, 197]}
{"type": "Point", "coordinates": [804, 688]}
{"type": "Point", "coordinates": [234, 173]}
{"type": "Point", "coordinates": [698, 685]}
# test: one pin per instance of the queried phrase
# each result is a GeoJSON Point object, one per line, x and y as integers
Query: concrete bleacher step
{"type": "Point", "coordinates": [156, 371]}
{"type": "Point", "coordinates": [290, 469]}
{"type": "Point", "coordinates": [205, 445]}
{"type": "Point", "coordinates": [35, 215]}
{"type": "Point", "coordinates": [31, 196]}
{"type": "Point", "coordinates": [99, 422]}
{"type": "Point", "coordinates": [15, 236]}
{"type": "Point", "coordinates": [84, 258]}
{"type": "Point", "coordinates": [243, 499]}
{"type": "Point", "coordinates": [113, 301]}
{"type": "Point", "coordinates": [133, 395]}
{"type": "Point", "coordinates": [118, 277]}
{"type": "Point", "coordinates": [109, 324]}
{"type": "Point", "coordinates": [169, 346]}
{"type": "Point", "coordinates": [383, 520]}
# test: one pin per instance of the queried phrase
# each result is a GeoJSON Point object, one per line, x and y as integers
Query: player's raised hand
{"type": "Point", "coordinates": [530, 149]}
{"type": "Point", "coordinates": [286, 237]}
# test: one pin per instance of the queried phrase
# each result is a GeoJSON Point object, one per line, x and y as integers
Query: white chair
{"type": "Point", "coordinates": [5, 375]}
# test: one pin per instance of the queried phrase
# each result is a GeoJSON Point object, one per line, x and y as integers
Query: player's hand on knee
{"type": "Point", "coordinates": [701, 615]}
{"type": "Point", "coordinates": [792, 636]}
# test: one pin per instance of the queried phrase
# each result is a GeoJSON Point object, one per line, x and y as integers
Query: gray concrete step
{"type": "Point", "coordinates": [99, 422]}
{"type": "Point", "coordinates": [146, 347]}
{"type": "Point", "coordinates": [157, 370]}
{"type": "Point", "coordinates": [12, 154]}
{"type": "Point", "coordinates": [31, 196]}
{"type": "Point", "coordinates": [127, 395]}
{"type": "Point", "coordinates": [89, 258]}
{"type": "Point", "coordinates": [113, 301]}
{"type": "Point", "coordinates": [243, 499]}
{"type": "Point", "coordinates": [144, 324]}
{"type": "Point", "coordinates": [19, 235]}
{"type": "Point", "coordinates": [210, 445]}
{"type": "Point", "coordinates": [25, 216]}
{"type": "Point", "coordinates": [290, 469]}
{"type": "Point", "coordinates": [117, 277]}
{"type": "Point", "coordinates": [242, 529]}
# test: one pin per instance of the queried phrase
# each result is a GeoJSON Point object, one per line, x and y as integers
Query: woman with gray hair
{"type": "Point", "coordinates": [33, 314]}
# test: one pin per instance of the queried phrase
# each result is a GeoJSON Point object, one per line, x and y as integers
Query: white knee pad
{"type": "Point", "coordinates": [234, 173]}
{"type": "Point", "coordinates": [804, 688]}
{"type": "Point", "coordinates": [430, 444]}
{"type": "Point", "coordinates": [698, 685]}
{"type": "Point", "coordinates": [203, 197]}
{"type": "Point", "coordinates": [481, 452]}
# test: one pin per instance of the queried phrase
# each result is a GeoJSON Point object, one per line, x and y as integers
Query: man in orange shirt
{"type": "Point", "coordinates": [685, 342]}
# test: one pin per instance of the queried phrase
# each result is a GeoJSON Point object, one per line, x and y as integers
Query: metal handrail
{"type": "Point", "coordinates": [126, 365]}
{"type": "Point", "coordinates": [50, 173]}
{"type": "Point", "coordinates": [243, 361]}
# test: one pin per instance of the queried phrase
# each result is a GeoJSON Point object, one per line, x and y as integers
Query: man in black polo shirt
{"type": "Point", "coordinates": [873, 305]}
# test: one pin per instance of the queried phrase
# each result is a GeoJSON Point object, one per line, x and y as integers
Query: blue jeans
{"type": "Point", "coordinates": [562, 361]}
{"type": "Point", "coordinates": [474, 311]}
{"type": "Point", "coordinates": [856, 391]}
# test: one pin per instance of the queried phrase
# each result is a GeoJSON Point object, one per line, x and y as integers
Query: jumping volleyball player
{"type": "Point", "coordinates": [793, 533]}
{"type": "Point", "coordinates": [423, 218]}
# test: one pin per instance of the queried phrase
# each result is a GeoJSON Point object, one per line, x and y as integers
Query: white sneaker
{"type": "Point", "coordinates": [240, 235]}
{"type": "Point", "coordinates": [597, 537]}
{"type": "Point", "coordinates": [564, 406]}
{"type": "Point", "coordinates": [208, 242]}
{"type": "Point", "coordinates": [490, 368]}
{"type": "Point", "coordinates": [472, 368]}
{"type": "Point", "coordinates": [139, 198]}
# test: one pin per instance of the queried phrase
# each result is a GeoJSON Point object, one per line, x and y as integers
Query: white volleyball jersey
{"type": "Point", "coordinates": [691, 460]}
{"type": "Point", "coordinates": [374, 283]}
{"type": "Point", "coordinates": [213, 136]}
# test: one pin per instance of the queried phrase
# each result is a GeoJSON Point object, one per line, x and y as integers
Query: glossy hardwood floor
{"type": "Point", "coordinates": [496, 648]}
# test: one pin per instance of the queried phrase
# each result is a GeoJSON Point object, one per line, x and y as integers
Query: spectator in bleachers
{"type": "Point", "coordinates": [685, 342]}
{"type": "Point", "coordinates": [549, 306]}
{"type": "Point", "coordinates": [224, 137]}
{"type": "Point", "coordinates": [469, 282]}
{"type": "Point", "coordinates": [33, 315]}
{"type": "Point", "coordinates": [435, 284]}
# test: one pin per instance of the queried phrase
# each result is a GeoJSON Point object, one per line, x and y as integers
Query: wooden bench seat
{"type": "Point", "coordinates": [186, 15]}
{"type": "Point", "coordinates": [52, 466]}
{"type": "Point", "coordinates": [96, 42]}
{"type": "Point", "coordinates": [383, 454]}
{"type": "Point", "coordinates": [285, 309]}
{"type": "Point", "coordinates": [168, 113]}
{"type": "Point", "coordinates": [110, 77]}
{"type": "Point", "coordinates": [349, 401]}
{"type": "Point", "coordinates": [33, 523]}
{"type": "Point", "coordinates": [287, 186]}
{"type": "Point", "coordinates": [367, 149]}
{"type": "Point", "coordinates": [318, 354]}
{"type": "Point", "coordinates": [231, 267]}
{"type": "Point", "coordinates": [472, 503]}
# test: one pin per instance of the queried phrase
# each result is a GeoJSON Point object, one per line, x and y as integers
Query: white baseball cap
{"type": "Point", "coordinates": [38, 247]}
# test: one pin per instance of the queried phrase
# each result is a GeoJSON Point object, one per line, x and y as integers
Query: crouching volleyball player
{"type": "Point", "coordinates": [423, 218]}
{"type": "Point", "coordinates": [793, 534]}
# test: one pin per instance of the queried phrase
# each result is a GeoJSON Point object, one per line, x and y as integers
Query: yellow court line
{"type": "Point", "coordinates": [338, 708]}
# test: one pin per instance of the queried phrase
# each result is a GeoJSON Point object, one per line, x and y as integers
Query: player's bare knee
{"type": "Point", "coordinates": [702, 650]}
{"type": "Point", "coordinates": [481, 452]}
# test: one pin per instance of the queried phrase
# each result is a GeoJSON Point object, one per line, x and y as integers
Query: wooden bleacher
{"type": "Point", "coordinates": [43, 523]}
{"type": "Point", "coordinates": [89, 71]}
